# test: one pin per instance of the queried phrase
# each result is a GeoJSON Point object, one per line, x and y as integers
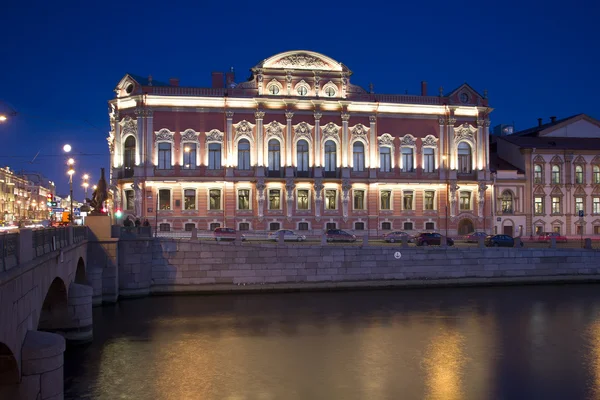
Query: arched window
{"type": "Point", "coordinates": [507, 202]}
{"type": "Point", "coordinates": [596, 174]}
{"type": "Point", "coordinates": [302, 155]}
{"type": "Point", "coordinates": [129, 153]}
{"type": "Point", "coordinates": [537, 174]}
{"type": "Point", "coordinates": [358, 151]}
{"type": "Point", "coordinates": [274, 155]}
{"type": "Point", "coordinates": [214, 156]}
{"type": "Point", "coordinates": [555, 174]}
{"type": "Point", "coordinates": [578, 174]}
{"type": "Point", "coordinates": [330, 156]}
{"type": "Point", "coordinates": [243, 154]}
{"type": "Point", "coordinates": [385, 159]}
{"type": "Point", "coordinates": [464, 158]}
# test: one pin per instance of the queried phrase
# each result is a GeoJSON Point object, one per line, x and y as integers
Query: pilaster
{"type": "Point", "coordinates": [229, 138]}
{"type": "Point", "coordinates": [149, 136]}
{"type": "Point", "coordinates": [317, 142]}
{"type": "Point", "coordinates": [442, 154]}
{"type": "Point", "coordinates": [288, 139]}
{"type": "Point", "coordinates": [344, 149]}
{"type": "Point", "coordinates": [451, 147]}
{"type": "Point", "coordinates": [259, 147]}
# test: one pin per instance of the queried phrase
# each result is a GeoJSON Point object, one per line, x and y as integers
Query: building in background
{"type": "Point", "coordinates": [23, 197]}
{"type": "Point", "coordinates": [298, 146]}
{"type": "Point", "coordinates": [561, 161]}
{"type": "Point", "coordinates": [503, 130]}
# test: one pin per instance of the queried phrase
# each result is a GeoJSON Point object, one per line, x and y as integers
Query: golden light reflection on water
{"type": "Point", "coordinates": [594, 359]}
{"type": "Point", "coordinates": [444, 361]}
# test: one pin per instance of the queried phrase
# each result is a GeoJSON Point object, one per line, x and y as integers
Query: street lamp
{"type": "Point", "coordinates": [85, 184]}
{"type": "Point", "coordinates": [3, 118]}
{"type": "Point", "coordinates": [70, 172]}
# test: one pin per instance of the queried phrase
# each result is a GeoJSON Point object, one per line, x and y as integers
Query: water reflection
{"type": "Point", "coordinates": [450, 344]}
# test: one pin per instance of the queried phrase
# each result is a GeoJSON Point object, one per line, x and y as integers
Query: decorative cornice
{"type": "Point", "coordinates": [259, 115]}
{"type": "Point", "coordinates": [345, 117]}
{"type": "Point", "coordinates": [386, 140]}
{"type": "Point", "coordinates": [289, 114]}
{"type": "Point", "coordinates": [229, 114]}
{"type": "Point", "coordinates": [372, 119]}
{"type": "Point", "coordinates": [164, 135]}
{"type": "Point", "coordinates": [189, 135]}
{"type": "Point", "coordinates": [214, 135]}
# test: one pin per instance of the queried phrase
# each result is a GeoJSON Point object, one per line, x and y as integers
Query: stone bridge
{"type": "Point", "coordinates": [45, 298]}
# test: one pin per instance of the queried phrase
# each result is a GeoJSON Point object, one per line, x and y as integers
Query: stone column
{"type": "Point", "coordinates": [317, 141]}
{"type": "Point", "coordinates": [149, 138]}
{"type": "Point", "coordinates": [451, 152]}
{"type": "Point", "coordinates": [229, 138]}
{"type": "Point", "coordinates": [42, 361]}
{"type": "Point", "coordinates": [344, 149]}
{"type": "Point", "coordinates": [140, 112]}
{"type": "Point", "coordinates": [288, 139]}
{"type": "Point", "coordinates": [259, 147]}
{"type": "Point", "coordinates": [486, 132]}
{"type": "Point", "coordinates": [442, 150]}
{"type": "Point", "coordinates": [481, 143]}
{"type": "Point", "coordinates": [373, 146]}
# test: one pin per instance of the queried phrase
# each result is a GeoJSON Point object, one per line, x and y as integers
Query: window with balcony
{"type": "Point", "coordinates": [386, 197]}
{"type": "Point", "coordinates": [302, 199]}
{"type": "Point", "coordinates": [302, 156]}
{"type": "Point", "coordinates": [274, 155]}
{"type": "Point", "coordinates": [465, 163]}
{"type": "Point", "coordinates": [428, 159]}
{"type": "Point", "coordinates": [243, 199]}
{"type": "Point", "coordinates": [164, 199]}
{"type": "Point", "coordinates": [507, 202]}
{"type": "Point", "coordinates": [189, 199]}
{"type": "Point", "coordinates": [330, 156]}
{"type": "Point", "coordinates": [129, 156]}
{"type": "Point", "coordinates": [465, 200]}
{"type": "Point", "coordinates": [330, 199]}
{"type": "Point", "coordinates": [358, 157]}
{"type": "Point", "coordinates": [274, 199]}
{"type": "Point", "coordinates": [129, 200]}
{"type": "Point", "coordinates": [428, 200]}
{"type": "Point", "coordinates": [189, 155]}
{"type": "Point", "coordinates": [407, 200]}
{"type": "Point", "coordinates": [579, 205]}
{"type": "Point", "coordinates": [596, 174]}
{"type": "Point", "coordinates": [243, 154]}
{"type": "Point", "coordinates": [579, 174]}
{"type": "Point", "coordinates": [596, 205]}
{"type": "Point", "coordinates": [359, 199]}
{"type": "Point", "coordinates": [214, 156]}
{"type": "Point", "coordinates": [555, 174]}
{"type": "Point", "coordinates": [214, 199]}
{"type": "Point", "coordinates": [538, 205]}
{"type": "Point", "coordinates": [556, 209]}
{"type": "Point", "coordinates": [407, 159]}
{"type": "Point", "coordinates": [164, 155]}
{"type": "Point", "coordinates": [537, 173]}
{"type": "Point", "coordinates": [385, 159]}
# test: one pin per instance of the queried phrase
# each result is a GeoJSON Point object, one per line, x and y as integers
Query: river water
{"type": "Point", "coordinates": [518, 342]}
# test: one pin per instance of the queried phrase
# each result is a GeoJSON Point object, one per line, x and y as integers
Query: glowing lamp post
{"type": "Point", "coordinates": [70, 172]}
{"type": "Point", "coordinates": [85, 184]}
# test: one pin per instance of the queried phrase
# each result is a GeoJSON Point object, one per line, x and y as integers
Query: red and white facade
{"type": "Point", "coordinates": [298, 146]}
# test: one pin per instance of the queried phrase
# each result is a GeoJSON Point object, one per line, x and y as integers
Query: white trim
{"type": "Point", "coordinates": [337, 198]}
{"type": "Point", "coordinates": [237, 197]}
{"type": "Point", "coordinates": [309, 202]}
{"type": "Point", "coordinates": [391, 199]}
{"type": "Point", "coordinates": [364, 191]}
{"type": "Point", "coordinates": [183, 189]}
{"type": "Point", "coordinates": [281, 194]}
{"type": "Point", "coordinates": [208, 189]}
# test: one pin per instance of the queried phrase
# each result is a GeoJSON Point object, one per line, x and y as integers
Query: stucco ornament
{"type": "Point", "coordinates": [214, 136]}
{"type": "Point", "coordinates": [274, 128]}
{"type": "Point", "coordinates": [301, 61]}
{"type": "Point", "coordinates": [386, 140]}
{"type": "Point", "coordinates": [129, 126]}
{"type": "Point", "coordinates": [164, 135]}
{"type": "Point", "coordinates": [359, 131]}
{"type": "Point", "coordinates": [330, 130]}
{"type": "Point", "coordinates": [318, 186]}
{"type": "Point", "coordinates": [189, 135]}
{"type": "Point", "coordinates": [408, 140]}
{"type": "Point", "coordinates": [243, 129]}
{"type": "Point", "coordinates": [466, 132]}
{"type": "Point", "coordinates": [111, 142]}
{"type": "Point", "coordinates": [430, 141]}
{"type": "Point", "coordinates": [303, 130]}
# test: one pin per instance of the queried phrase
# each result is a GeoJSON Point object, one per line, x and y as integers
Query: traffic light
{"type": "Point", "coordinates": [118, 213]}
{"type": "Point", "coordinates": [49, 199]}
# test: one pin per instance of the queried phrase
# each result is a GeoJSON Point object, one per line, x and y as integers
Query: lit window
{"type": "Point", "coordinates": [359, 200]}
{"type": "Point", "coordinates": [465, 200]}
{"type": "Point", "coordinates": [129, 200]}
{"type": "Point", "coordinates": [243, 154]}
{"type": "Point", "coordinates": [302, 90]}
{"type": "Point", "coordinates": [302, 155]}
{"type": "Point", "coordinates": [555, 174]}
{"type": "Point", "coordinates": [428, 160]}
{"type": "Point", "coordinates": [214, 156]}
{"type": "Point", "coordinates": [507, 202]}
{"type": "Point", "coordinates": [129, 153]}
{"type": "Point", "coordinates": [189, 155]}
{"type": "Point", "coordinates": [273, 89]}
{"type": "Point", "coordinates": [358, 157]}
{"type": "Point", "coordinates": [386, 196]}
{"type": "Point", "coordinates": [330, 156]}
{"type": "Point", "coordinates": [407, 201]}
{"type": "Point", "coordinates": [385, 164]}
{"type": "Point", "coordinates": [214, 199]}
{"type": "Point", "coordinates": [330, 199]}
{"type": "Point", "coordinates": [596, 174]}
{"type": "Point", "coordinates": [302, 199]}
{"type": "Point", "coordinates": [189, 201]}
{"type": "Point", "coordinates": [274, 199]}
{"type": "Point", "coordinates": [578, 204]}
{"type": "Point", "coordinates": [596, 205]}
{"type": "Point", "coordinates": [538, 203]}
{"type": "Point", "coordinates": [464, 158]}
{"type": "Point", "coordinates": [578, 174]}
{"type": "Point", "coordinates": [243, 199]}
{"type": "Point", "coordinates": [164, 199]}
{"type": "Point", "coordinates": [274, 154]}
{"type": "Point", "coordinates": [330, 91]}
{"type": "Point", "coordinates": [428, 200]}
{"type": "Point", "coordinates": [555, 205]}
{"type": "Point", "coordinates": [537, 174]}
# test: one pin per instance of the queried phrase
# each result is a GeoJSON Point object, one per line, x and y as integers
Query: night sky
{"type": "Point", "coordinates": [60, 61]}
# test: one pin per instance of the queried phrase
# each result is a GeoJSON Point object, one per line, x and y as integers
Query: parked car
{"type": "Point", "coordinates": [338, 235]}
{"type": "Point", "coordinates": [226, 234]}
{"type": "Point", "coordinates": [500, 241]}
{"type": "Point", "coordinates": [287, 235]}
{"type": "Point", "coordinates": [473, 237]}
{"type": "Point", "coordinates": [432, 238]}
{"type": "Point", "coordinates": [546, 237]}
{"type": "Point", "coordinates": [398, 236]}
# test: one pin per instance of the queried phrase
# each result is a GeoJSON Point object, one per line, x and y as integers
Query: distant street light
{"type": "Point", "coordinates": [70, 172]}
{"type": "Point", "coordinates": [67, 148]}
{"type": "Point", "coordinates": [3, 118]}
{"type": "Point", "coordinates": [85, 184]}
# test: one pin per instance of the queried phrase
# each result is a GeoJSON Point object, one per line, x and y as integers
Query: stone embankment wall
{"type": "Point", "coordinates": [162, 265]}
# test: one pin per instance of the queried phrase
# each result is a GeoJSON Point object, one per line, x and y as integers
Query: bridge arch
{"type": "Point", "coordinates": [9, 370]}
{"type": "Point", "coordinates": [54, 309]}
{"type": "Point", "coordinates": [80, 273]}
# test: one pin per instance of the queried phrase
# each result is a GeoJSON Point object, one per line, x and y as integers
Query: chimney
{"type": "Point", "coordinates": [553, 119]}
{"type": "Point", "coordinates": [174, 81]}
{"type": "Point", "coordinates": [230, 77]}
{"type": "Point", "coordinates": [539, 122]}
{"type": "Point", "coordinates": [217, 80]}
{"type": "Point", "coordinates": [423, 88]}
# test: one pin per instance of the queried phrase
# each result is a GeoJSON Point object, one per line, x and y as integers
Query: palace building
{"type": "Point", "coordinates": [298, 146]}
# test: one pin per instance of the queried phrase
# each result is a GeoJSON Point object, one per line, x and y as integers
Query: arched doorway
{"type": "Point", "coordinates": [465, 226]}
{"type": "Point", "coordinates": [54, 310]}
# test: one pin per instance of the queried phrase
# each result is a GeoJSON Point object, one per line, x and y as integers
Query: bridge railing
{"type": "Point", "coordinates": [48, 240]}
{"type": "Point", "coordinates": [80, 233]}
{"type": "Point", "coordinates": [9, 251]}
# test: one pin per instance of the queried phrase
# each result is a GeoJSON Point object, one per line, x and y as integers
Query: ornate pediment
{"type": "Point", "coordinates": [274, 129]}
{"type": "Point", "coordinates": [429, 141]}
{"type": "Point", "coordinates": [128, 126]}
{"type": "Point", "coordinates": [386, 140]}
{"type": "Point", "coordinates": [539, 222]}
{"type": "Point", "coordinates": [539, 159]}
{"type": "Point", "coordinates": [465, 131]}
{"type": "Point", "coordinates": [539, 190]}
{"type": "Point", "coordinates": [579, 160]}
{"type": "Point", "coordinates": [408, 140]}
{"type": "Point", "coordinates": [307, 60]}
{"type": "Point", "coordinates": [303, 130]}
{"type": "Point", "coordinates": [243, 129]}
{"type": "Point", "coordinates": [359, 131]}
{"type": "Point", "coordinates": [556, 191]}
{"type": "Point", "coordinates": [330, 130]}
{"type": "Point", "coordinates": [556, 160]}
{"type": "Point", "coordinates": [214, 135]}
{"type": "Point", "coordinates": [164, 135]}
{"type": "Point", "coordinates": [580, 191]}
{"type": "Point", "coordinates": [189, 135]}
{"type": "Point", "coordinates": [557, 222]}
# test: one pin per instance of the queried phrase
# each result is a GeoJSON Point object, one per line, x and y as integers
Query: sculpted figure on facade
{"type": "Point", "coordinates": [289, 190]}
{"type": "Point", "coordinates": [301, 61]}
{"type": "Point", "coordinates": [137, 196]}
{"type": "Point", "coordinates": [482, 187]}
{"type": "Point", "coordinates": [346, 187]}
{"type": "Point", "coordinates": [115, 193]}
{"type": "Point", "coordinates": [318, 186]}
{"type": "Point", "coordinates": [453, 193]}
{"type": "Point", "coordinates": [274, 128]}
{"type": "Point", "coordinates": [260, 191]}
{"type": "Point", "coordinates": [111, 142]}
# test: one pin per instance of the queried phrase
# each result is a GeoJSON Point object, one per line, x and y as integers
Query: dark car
{"type": "Point", "coordinates": [474, 237]}
{"type": "Point", "coordinates": [226, 234]}
{"type": "Point", "coordinates": [397, 236]}
{"type": "Point", "coordinates": [338, 235]}
{"type": "Point", "coordinates": [431, 238]}
{"type": "Point", "coordinates": [500, 241]}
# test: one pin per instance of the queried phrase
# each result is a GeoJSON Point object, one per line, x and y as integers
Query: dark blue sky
{"type": "Point", "coordinates": [61, 60]}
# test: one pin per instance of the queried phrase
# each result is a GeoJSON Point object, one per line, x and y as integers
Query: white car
{"type": "Point", "coordinates": [287, 235]}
